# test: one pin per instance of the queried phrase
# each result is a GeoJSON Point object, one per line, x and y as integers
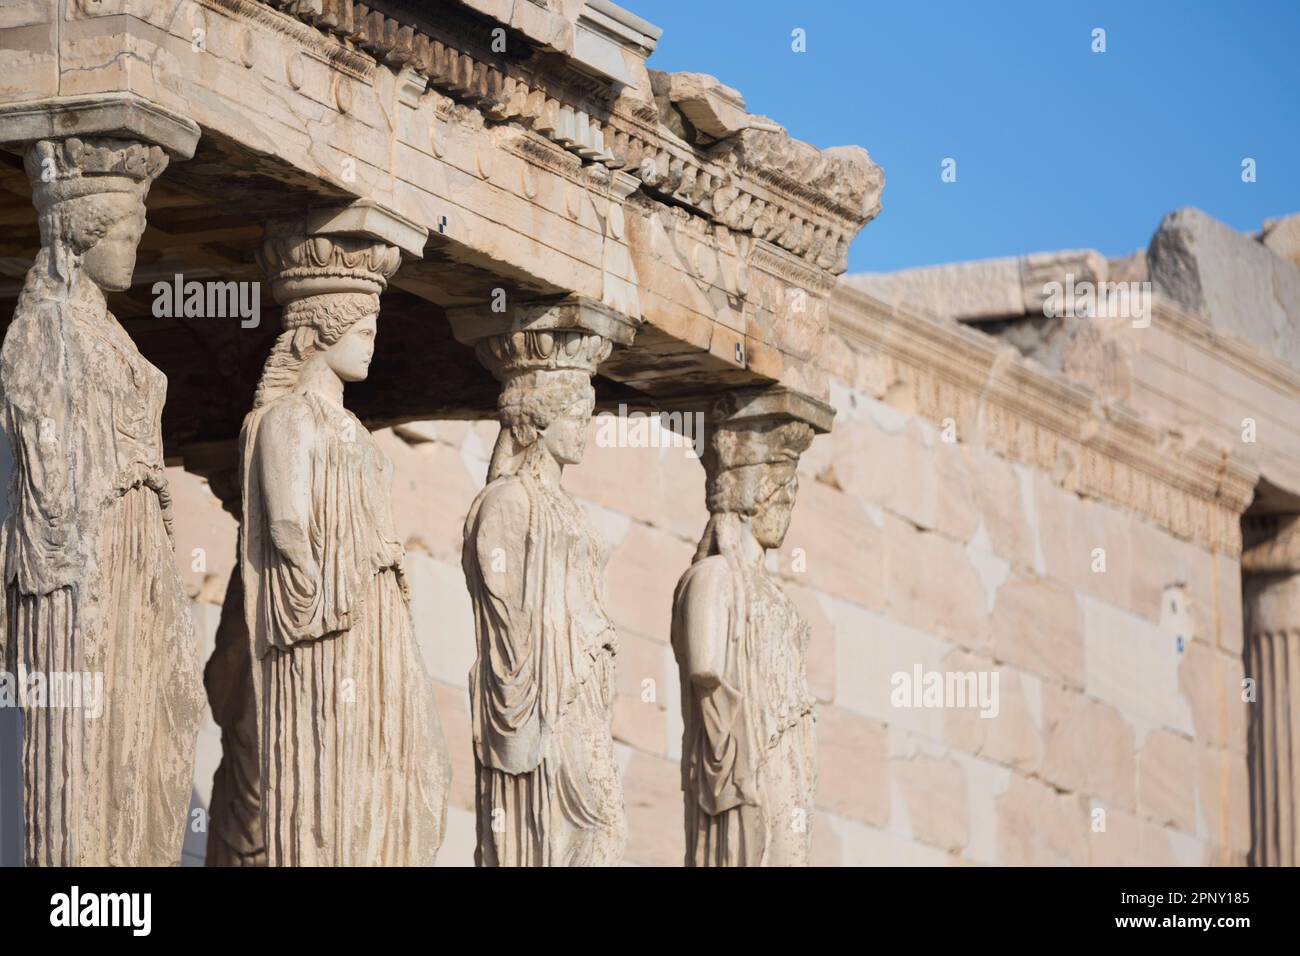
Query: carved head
{"type": "Point", "coordinates": [337, 328]}
{"type": "Point", "coordinates": [341, 326]}
{"type": "Point", "coordinates": [90, 195]}
{"type": "Point", "coordinates": [566, 435]}
{"type": "Point", "coordinates": [752, 473]}
{"type": "Point", "coordinates": [548, 410]}
{"type": "Point", "coordinates": [330, 288]}
{"type": "Point", "coordinates": [110, 262]}
{"type": "Point", "coordinates": [546, 395]}
{"type": "Point", "coordinates": [349, 357]}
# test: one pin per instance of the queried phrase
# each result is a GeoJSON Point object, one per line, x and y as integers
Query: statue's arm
{"type": "Point", "coordinates": [703, 622]}
{"type": "Point", "coordinates": [499, 546]}
{"type": "Point", "coordinates": [507, 733]}
{"type": "Point", "coordinates": [51, 422]}
{"type": "Point", "coordinates": [42, 414]}
{"type": "Point", "coordinates": [284, 446]}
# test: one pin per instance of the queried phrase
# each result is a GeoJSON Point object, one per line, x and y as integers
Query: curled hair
{"type": "Point", "coordinates": [312, 325]}
{"type": "Point", "coordinates": [529, 404]}
{"type": "Point", "coordinates": [70, 229]}
{"type": "Point", "coordinates": [529, 414]}
{"type": "Point", "coordinates": [737, 493]}
{"type": "Point", "coordinates": [79, 224]}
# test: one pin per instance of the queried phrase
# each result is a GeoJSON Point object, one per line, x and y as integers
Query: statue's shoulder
{"type": "Point", "coordinates": [32, 344]}
{"type": "Point", "coordinates": [705, 575]}
{"type": "Point", "coordinates": [286, 417]}
{"type": "Point", "coordinates": [288, 407]}
{"type": "Point", "coordinates": [504, 493]}
{"type": "Point", "coordinates": [35, 317]}
{"type": "Point", "coordinates": [500, 509]}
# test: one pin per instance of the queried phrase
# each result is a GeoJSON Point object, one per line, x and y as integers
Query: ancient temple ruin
{"type": "Point", "coordinates": [566, 247]}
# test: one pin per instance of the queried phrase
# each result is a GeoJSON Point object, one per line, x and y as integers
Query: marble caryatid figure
{"type": "Point", "coordinates": [354, 770]}
{"type": "Point", "coordinates": [542, 685]}
{"type": "Point", "coordinates": [748, 759]}
{"type": "Point", "coordinates": [235, 836]}
{"type": "Point", "coordinates": [94, 602]}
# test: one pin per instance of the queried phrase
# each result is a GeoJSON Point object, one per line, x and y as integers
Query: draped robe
{"type": "Point", "coordinates": [748, 751]}
{"type": "Point", "coordinates": [541, 687]}
{"type": "Point", "coordinates": [92, 588]}
{"type": "Point", "coordinates": [354, 767]}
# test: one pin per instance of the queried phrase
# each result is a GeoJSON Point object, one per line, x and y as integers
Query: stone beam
{"type": "Point", "coordinates": [744, 406]}
{"type": "Point", "coordinates": [367, 219]}
{"type": "Point", "coordinates": [471, 325]}
{"type": "Point", "coordinates": [120, 115]}
{"type": "Point", "coordinates": [541, 171]}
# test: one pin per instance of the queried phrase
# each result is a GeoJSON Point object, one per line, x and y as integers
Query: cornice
{"type": "Point", "coordinates": [339, 55]}
{"type": "Point", "coordinates": [1195, 330]}
{"type": "Point", "coordinates": [593, 120]}
{"type": "Point", "coordinates": [1033, 416]}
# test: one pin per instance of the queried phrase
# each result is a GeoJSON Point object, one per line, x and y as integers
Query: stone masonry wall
{"type": "Point", "coordinates": [1119, 690]}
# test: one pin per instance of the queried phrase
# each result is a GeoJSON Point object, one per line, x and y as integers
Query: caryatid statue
{"type": "Point", "coordinates": [235, 835]}
{"type": "Point", "coordinates": [354, 769]}
{"type": "Point", "coordinates": [748, 754]}
{"type": "Point", "coordinates": [94, 599]}
{"type": "Point", "coordinates": [542, 686]}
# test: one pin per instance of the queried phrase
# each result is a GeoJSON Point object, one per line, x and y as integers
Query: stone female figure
{"type": "Point", "coordinates": [235, 836]}
{"type": "Point", "coordinates": [94, 600]}
{"type": "Point", "coordinates": [542, 685]}
{"type": "Point", "coordinates": [354, 768]}
{"type": "Point", "coordinates": [748, 759]}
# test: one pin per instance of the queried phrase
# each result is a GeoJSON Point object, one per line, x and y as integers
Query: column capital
{"type": "Point", "coordinates": [301, 264]}
{"type": "Point", "coordinates": [472, 324]}
{"type": "Point", "coordinates": [114, 115]}
{"type": "Point", "coordinates": [367, 219]}
{"type": "Point", "coordinates": [1279, 553]}
{"type": "Point", "coordinates": [775, 403]}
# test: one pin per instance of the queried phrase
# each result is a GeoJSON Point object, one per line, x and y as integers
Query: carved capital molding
{"type": "Point", "coordinates": [75, 168]}
{"type": "Point", "coordinates": [561, 350]}
{"type": "Point", "coordinates": [287, 22]}
{"type": "Point", "coordinates": [301, 265]}
{"type": "Point", "coordinates": [124, 116]}
{"type": "Point", "coordinates": [756, 179]}
{"type": "Point", "coordinates": [367, 219]}
{"type": "Point", "coordinates": [1279, 550]}
{"type": "Point", "coordinates": [576, 314]}
{"type": "Point", "coordinates": [753, 405]}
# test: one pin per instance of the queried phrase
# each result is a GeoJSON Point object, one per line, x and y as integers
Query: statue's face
{"type": "Point", "coordinates": [773, 518]}
{"type": "Point", "coordinates": [566, 437]}
{"type": "Point", "coordinates": [110, 262]}
{"type": "Point", "coordinates": [350, 356]}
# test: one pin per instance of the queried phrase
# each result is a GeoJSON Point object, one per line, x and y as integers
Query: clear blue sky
{"type": "Point", "coordinates": [1057, 147]}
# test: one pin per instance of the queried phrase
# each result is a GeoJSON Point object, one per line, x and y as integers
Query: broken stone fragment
{"type": "Point", "coordinates": [1075, 266]}
{"type": "Point", "coordinates": [1282, 235]}
{"type": "Point", "coordinates": [716, 110]}
{"type": "Point", "coordinates": [1239, 284]}
{"type": "Point", "coordinates": [845, 175]}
